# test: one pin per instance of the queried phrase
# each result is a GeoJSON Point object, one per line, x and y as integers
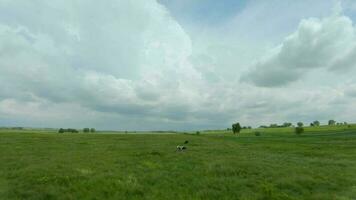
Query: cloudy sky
{"type": "Point", "coordinates": [176, 64]}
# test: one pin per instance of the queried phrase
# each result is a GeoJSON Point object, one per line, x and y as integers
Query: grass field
{"type": "Point", "coordinates": [319, 164]}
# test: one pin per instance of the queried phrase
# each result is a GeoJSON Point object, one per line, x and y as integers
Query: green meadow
{"type": "Point", "coordinates": [276, 164]}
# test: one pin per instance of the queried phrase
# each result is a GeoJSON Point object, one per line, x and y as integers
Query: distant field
{"type": "Point", "coordinates": [319, 164]}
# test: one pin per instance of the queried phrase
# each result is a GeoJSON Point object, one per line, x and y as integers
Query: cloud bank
{"type": "Point", "coordinates": [130, 65]}
{"type": "Point", "coordinates": [327, 43]}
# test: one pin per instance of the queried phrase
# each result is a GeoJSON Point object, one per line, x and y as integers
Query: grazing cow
{"type": "Point", "coordinates": [181, 148]}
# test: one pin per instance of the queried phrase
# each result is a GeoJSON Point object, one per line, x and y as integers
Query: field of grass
{"type": "Point", "coordinates": [319, 164]}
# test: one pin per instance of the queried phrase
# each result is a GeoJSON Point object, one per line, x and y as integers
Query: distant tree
{"type": "Point", "coordinates": [249, 127]}
{"type": "Point", "coordinates": [311, 124]}
{"type": "Point", "coordinates": [345, 123]}
{"type": "Point", "coordinates": [300, 124]}
{"type": "Point", "coordinates": [73, 130]}
{"type": "Point", "coordinates": [331, 122]}
{"type": "Point", "coordinates": [68, 130]}
{"type": "Point", "coordinates": [316, 123]}
{"type": "Point", "coordinates": [257, 133]}
{"type": "Point", "coordinates": [273, 126]}
{"type": "Point", "coordinates": [287, 124]}
{"type": "Point", "coordinates": [86, 130]}
{"type": "Point", "coordinates": [197, 133]}
{"type": "Point", "coordinates": [236, 128]}
{"type": "Point", "coordinates": [299, 129]}
{"type": "Point", "coordinates": [92, 130]}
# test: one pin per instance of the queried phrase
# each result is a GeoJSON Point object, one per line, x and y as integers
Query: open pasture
{"type": "Point", "coordinates": [319, 164]}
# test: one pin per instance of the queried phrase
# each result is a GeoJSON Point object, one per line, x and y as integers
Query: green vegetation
{"type": "Point", "coordinates": [315, 123]}
{"type": "Point", "coordinates": [236, 128]}
{"type": "Point", "coordinates": [332, 122]}
{"type": "Point", "coordinates": [299, 129]}
{"type": "Point", "coordinates": [69, 130]}
{"type": "Point", "coordinates": [278, 164]}
{"type": "Point", "coordinates": [89, 130]}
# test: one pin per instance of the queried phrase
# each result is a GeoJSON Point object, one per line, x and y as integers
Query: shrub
{"type": "Point", "coordinates": [316, 123]}
{"type": "Point", "coordinates": [299, 130]}
{"type": "Point", "coordinates": [257, 133]}
{"type": "Point", "coordinates": [198, 133]}
{"type": "Point", "coordinates": [300, 124]}
{"type": "Point", "coordinates": [236, 128]}
{"type": "Point", "coordinates": [331, 122]}
{"type": "Point", "coordinates": [68, 130]}
{"type": "Point", "coordinates": [273, 126]}
{"type": "Point", "coordinates": [287, 124]}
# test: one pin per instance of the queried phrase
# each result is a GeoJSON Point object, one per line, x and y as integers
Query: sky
{"type": "Point", "coordinates": [176, 64]}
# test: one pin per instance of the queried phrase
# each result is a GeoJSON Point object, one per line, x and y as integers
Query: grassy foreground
{"type": "Point", "coordinates": [320, 164]}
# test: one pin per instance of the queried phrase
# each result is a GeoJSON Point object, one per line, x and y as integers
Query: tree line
{"type": "Point", "coordinates": [299, 129]}
{"type": "Point", "coordinates": [71, 130]}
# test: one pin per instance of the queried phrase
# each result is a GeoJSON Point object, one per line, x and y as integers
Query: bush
{"type": "Point", "coordinates": [257, 133]}
{"type": "Point", "coordinates": [299, 130]}
{"type": "Point", "coordinates": [198, 133]}
{"type": "Point", "coordinates": [331, 122]}
{"type": "Point", "coordinates": [300, 124]}
{"type": "Point", "coordinates": [68, 130]}
{"type": "Point", "coordinates": [236, 128]}
{"type": "Point", "coordinates": [316, 123]}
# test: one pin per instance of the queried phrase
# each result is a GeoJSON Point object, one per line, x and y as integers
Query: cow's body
{"type": "Point", "coordinates": [181, 148]}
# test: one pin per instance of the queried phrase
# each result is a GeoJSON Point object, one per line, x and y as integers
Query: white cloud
{"type": "Point", "coordinates": [326, 43]}
{"type": "Point", "coordinates": [130, 65]}
{"type": "Point", "coordinates": [105, 62]}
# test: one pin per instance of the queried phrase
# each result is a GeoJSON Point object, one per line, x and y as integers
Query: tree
{"type": "Point", "coordinates": [316, 123]}
{"type": "Point", "coordinates": [86, 130]}
{"type": "Point", "coordinates": [73, 130]}
{"type": "Point", "coordinates": [92, 130]}
{"type": "Point", "coordinates": [236, 128]}
{"type": "Point", "coordinates": [299, 130]}
{"type": "Point", "coordinates": [332, 122]}
{"type": "Point", "coordinates": [300, 124]}
{"type": "Point", "coordinates": [287, 124]}
{"type": "Point", "coordinates": [273, 126]}
{"type": "Point", "coordinates": [61, 130]}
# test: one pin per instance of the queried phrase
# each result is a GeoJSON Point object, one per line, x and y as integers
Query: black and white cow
{"type": "Point", "coordinates": [181, 148]}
